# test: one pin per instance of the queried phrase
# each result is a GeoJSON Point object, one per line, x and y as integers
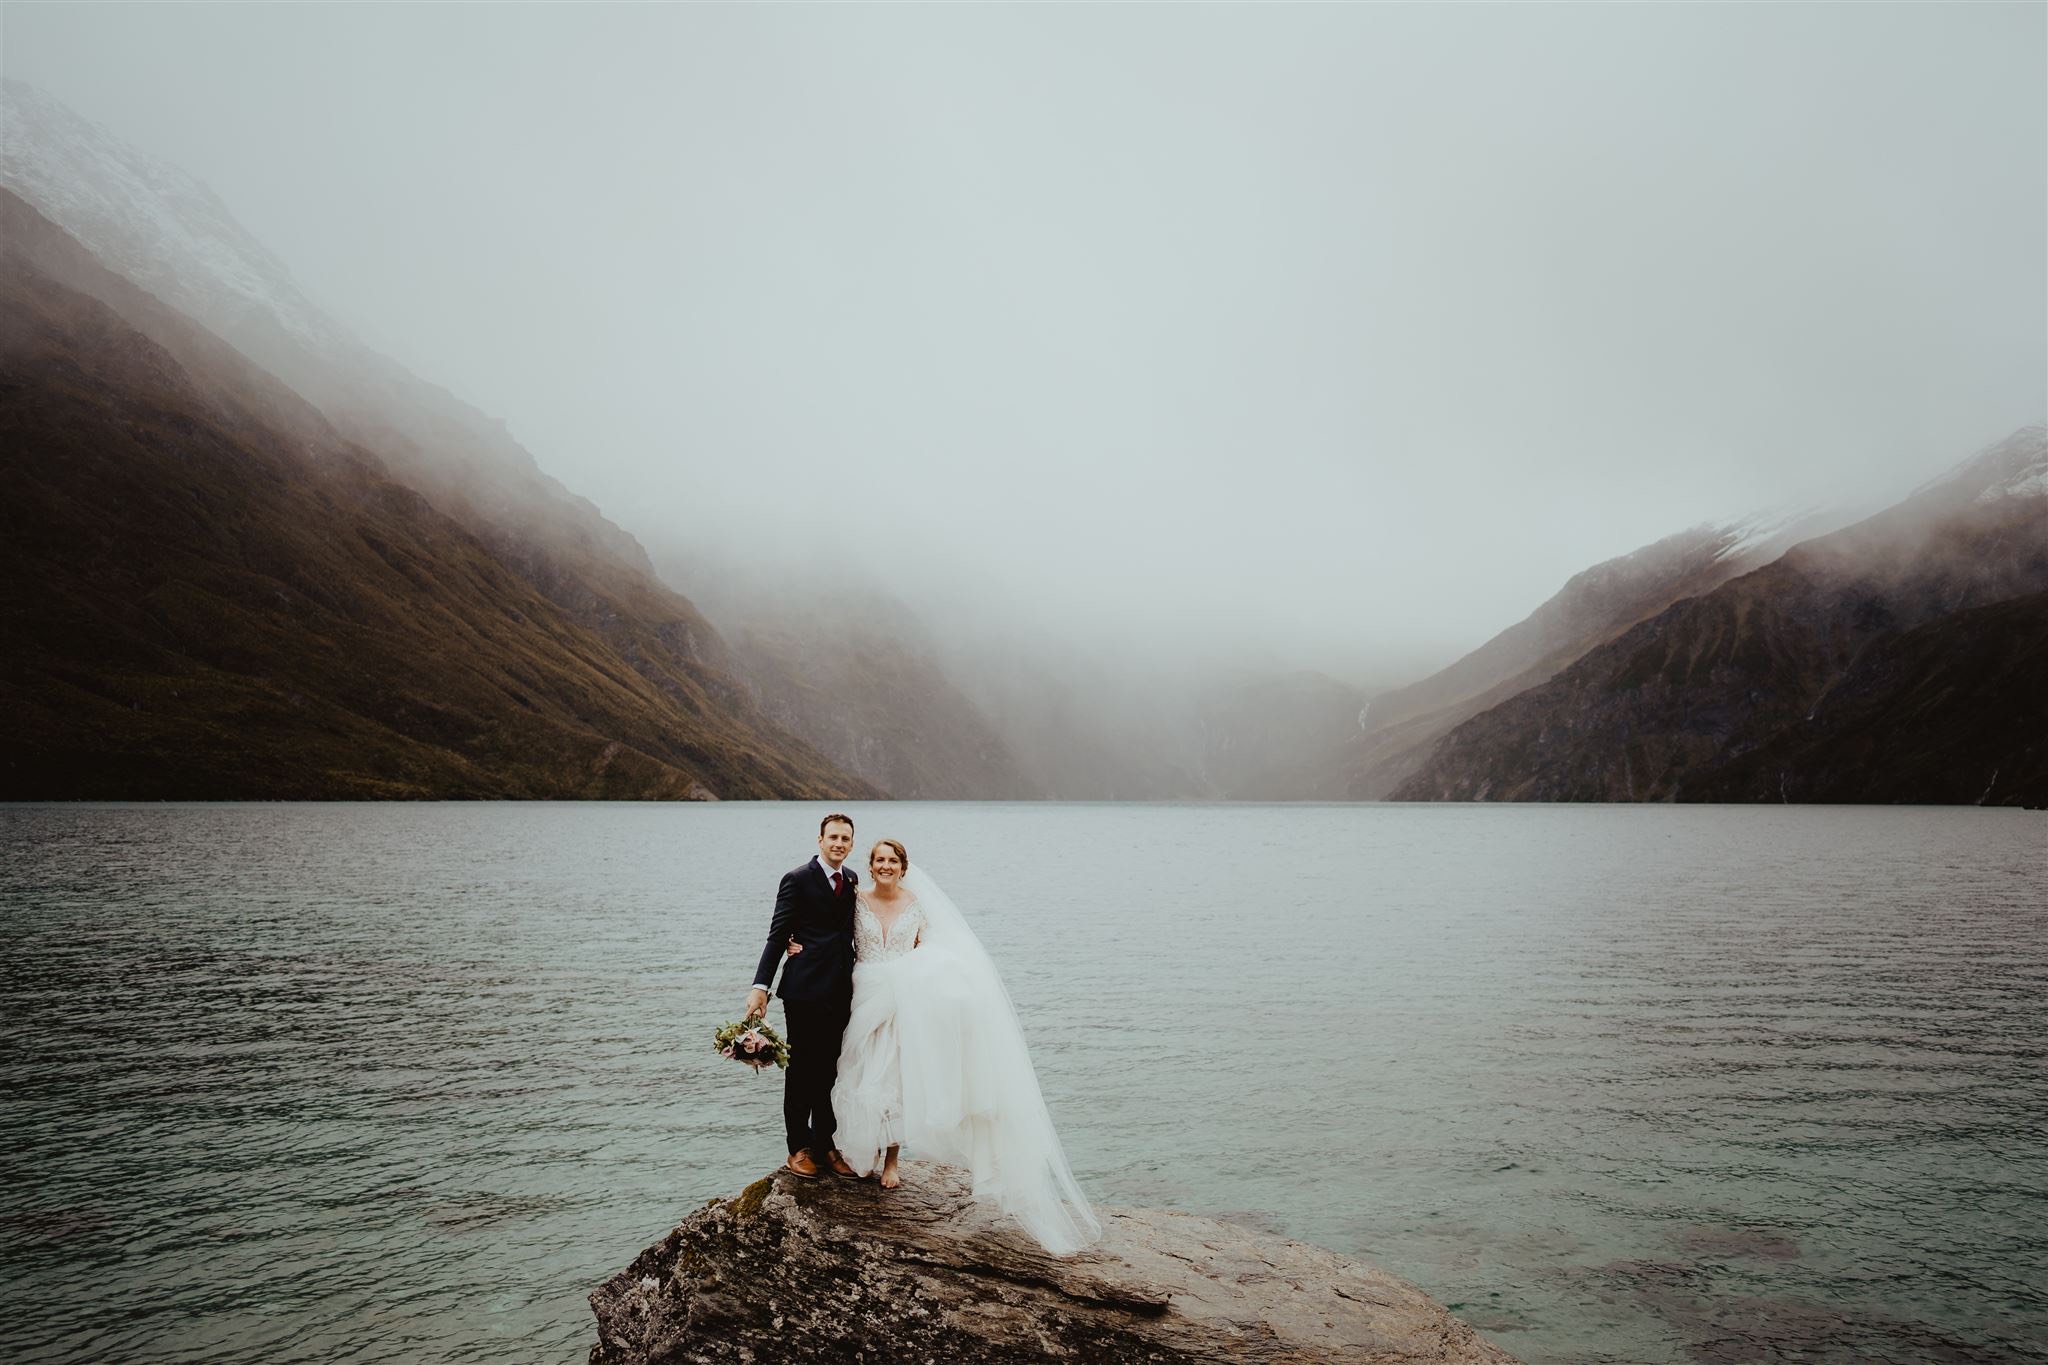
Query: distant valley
{"type": "Point", "coordinates": [247, 557]}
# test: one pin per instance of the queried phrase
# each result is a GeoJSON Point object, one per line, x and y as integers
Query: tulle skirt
{"type": "Point", "coordinates": [905, 1072]}
{"type": "Point", "coordinates": [932, 1060]}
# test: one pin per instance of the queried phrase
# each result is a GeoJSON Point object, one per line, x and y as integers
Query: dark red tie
{"type": "Point", "coordinates": [835, 883]}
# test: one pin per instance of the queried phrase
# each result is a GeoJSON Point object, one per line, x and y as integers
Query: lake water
{"type": "Point", "coordinates": [1631, 1084]}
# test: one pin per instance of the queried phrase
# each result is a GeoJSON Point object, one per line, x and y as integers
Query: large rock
{"type": "Point", "coordinates": [841, 1270]}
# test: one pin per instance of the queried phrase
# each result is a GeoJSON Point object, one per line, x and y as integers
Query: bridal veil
{"type": "Point", "coordinates": [970, 1096]}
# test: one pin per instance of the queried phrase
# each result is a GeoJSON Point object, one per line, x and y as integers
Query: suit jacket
{"type": "Point", "coordinates": [806, 910]}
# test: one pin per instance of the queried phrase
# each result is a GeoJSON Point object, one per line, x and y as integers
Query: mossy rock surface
{"type": "Point", "coordinates": [751, 1198]}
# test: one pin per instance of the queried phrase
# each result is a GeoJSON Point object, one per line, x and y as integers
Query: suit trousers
{"type": "Point", "coordinates": [815, 1030]}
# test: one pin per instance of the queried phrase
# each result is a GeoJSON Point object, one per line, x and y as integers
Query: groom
{"type": "Point", "coordinates": [814, 906]}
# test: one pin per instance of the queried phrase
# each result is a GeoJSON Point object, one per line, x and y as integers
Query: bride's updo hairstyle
{"type": "Point", "coordinates": [901, 855]}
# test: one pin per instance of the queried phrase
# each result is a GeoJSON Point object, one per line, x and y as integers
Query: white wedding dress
{"type": "Point", "coordinates": [934, 1060]}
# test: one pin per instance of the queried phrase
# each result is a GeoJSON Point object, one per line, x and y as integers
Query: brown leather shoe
{"type": "Point", "coordinates": [800, 1164]}
{"type": "Point", "coordinates": [838, 1163]}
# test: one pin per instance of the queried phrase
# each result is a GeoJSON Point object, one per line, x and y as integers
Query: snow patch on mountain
{"type": "Point", "coordinates": [148, 219]}
{"type": "Point", "coordinates": [2016, 467]}
{"type": "Point", "coordinates": [2026, 471]}
{"type": "Point", "coordinates": [1751, 536]}
{"type": "Point", "coordinates": [164, 230]}
{"type": "Point", "coordinates": [2034, 484]}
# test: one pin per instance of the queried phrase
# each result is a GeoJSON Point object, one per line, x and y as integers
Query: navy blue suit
{"type": "Point", "coordinates": [817, 995]}
{"type": "Point", "coordinates": [807, 911]}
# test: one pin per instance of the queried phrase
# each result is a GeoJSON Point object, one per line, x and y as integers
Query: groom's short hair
{"type": "Point", "coordinates": [835, 818]}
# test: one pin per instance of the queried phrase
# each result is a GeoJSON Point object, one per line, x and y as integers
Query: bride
{"type": "Point", "coordinates": [934, 1058]}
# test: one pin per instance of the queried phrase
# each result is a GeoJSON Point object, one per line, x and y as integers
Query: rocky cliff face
{"type": "Point", "coordinates": [844, 1271]}
{"type": "Point", "coordinates": [1897, 660]}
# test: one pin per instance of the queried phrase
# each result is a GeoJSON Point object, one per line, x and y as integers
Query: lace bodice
{"type": "Point", "coordinates": [872, 944]}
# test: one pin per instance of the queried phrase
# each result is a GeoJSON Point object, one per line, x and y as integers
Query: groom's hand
{"type": "Point", "coordinates": [757, 1003]}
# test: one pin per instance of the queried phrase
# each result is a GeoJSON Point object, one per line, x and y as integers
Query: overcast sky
{"type": "Point", "coordinates": [1353, 331]}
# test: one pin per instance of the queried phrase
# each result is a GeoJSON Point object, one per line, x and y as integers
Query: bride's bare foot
{"type": "Point", "coordinates": [890, 1179]}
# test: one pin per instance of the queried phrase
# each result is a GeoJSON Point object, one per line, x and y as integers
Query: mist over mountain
{"type": "Point", "coordinates": [1401, 728]}
{"type": "Point", "coordinates": [522, 648]}
{"type": "Point", "coordinates": [1350, 333]}
{"type": "Point", "coordinates": [1281, 736]}
{"type": "Point", "coordinates": [1899, 659]}
{"type": "Point", "coordinates": [837, 661]}
{"type": "Point", "coordinates": [963, 700]}
{"type": "Point", "coordinates": [305, 501]}
{"type": "Point", "coordinates": [156, 225]}
{"type": "Point", "coordinates": [1041, 718]}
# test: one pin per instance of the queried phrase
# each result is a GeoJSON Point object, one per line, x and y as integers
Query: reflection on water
{"type": "Point", "coordinates": [1642, 1084]}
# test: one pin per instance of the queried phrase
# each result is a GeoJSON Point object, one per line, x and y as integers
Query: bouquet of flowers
{"type": "Point", "coordinates": [753, 1042]}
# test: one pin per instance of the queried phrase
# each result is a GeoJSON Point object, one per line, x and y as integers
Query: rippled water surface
{"type": "Point", "coordinates": [1635, 1084]}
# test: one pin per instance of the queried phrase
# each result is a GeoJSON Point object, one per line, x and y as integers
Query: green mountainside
{"type": "Point", "coordinates": [212, 593]}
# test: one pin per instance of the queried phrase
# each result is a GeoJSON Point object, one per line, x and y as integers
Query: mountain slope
{"type": "Point", "coordinates": [1081, 728]}
{"type": "Point", "coordinates": [207, 591]}
{"type": "Point", "coordinates": [1950, 711]}
{"type": "Point", "coordinates": [851, 670]}
{"type": "Point", "coordinates": [1883, 662]}
{"type": "Point", "coordinates": [882, 711]}
{"type": "Point", "coordinates": [1271, 738]}
{"type": "Point", "coordinates": [157, 227]}
{"type": "Point", "coordinates": [1400, 728]}
{"type": "Point", "coordinates": [942, 700]}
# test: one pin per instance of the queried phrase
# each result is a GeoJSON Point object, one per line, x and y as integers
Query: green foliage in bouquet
{"type": "Point", "coordinates": [752, 1041]}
